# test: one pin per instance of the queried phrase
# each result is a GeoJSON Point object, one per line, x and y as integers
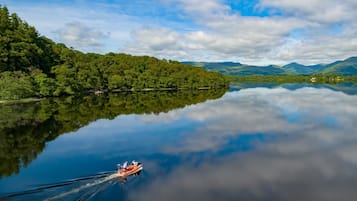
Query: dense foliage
{"type": "Point", "coordinates": [25, 128]}
{"type": "Point", "coordinates": [34, 66]}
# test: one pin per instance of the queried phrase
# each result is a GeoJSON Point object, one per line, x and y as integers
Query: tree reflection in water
{"type": "Point", "coordinates": [25, 128]}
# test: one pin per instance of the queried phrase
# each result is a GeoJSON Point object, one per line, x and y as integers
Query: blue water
{"type": "Point", "coordinates": [252, 144]}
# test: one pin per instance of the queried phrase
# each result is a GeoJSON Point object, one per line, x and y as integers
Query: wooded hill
{"type": "Point", "coordinates": [345, 67]}
{"type": "Point", "coordinates": [34, 66]}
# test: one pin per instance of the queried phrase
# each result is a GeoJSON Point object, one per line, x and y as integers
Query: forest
{"type": "Point", "coordinates": [32, 65]}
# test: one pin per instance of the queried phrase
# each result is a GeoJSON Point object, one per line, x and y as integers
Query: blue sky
{"type": "Point", "coordinates": [254, 32]}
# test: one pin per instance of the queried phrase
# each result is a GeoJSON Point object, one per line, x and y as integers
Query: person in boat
{"type": "Point", "coordinates": [124, 166]}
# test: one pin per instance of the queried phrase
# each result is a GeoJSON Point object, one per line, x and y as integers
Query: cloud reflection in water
{"type": "Point", "coordinates": [314, 159]}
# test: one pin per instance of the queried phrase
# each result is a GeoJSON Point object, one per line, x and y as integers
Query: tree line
{"type": "Point", "coordinates": [34, 66]}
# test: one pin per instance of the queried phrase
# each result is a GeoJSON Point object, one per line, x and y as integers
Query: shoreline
{"type": "Point", "coordinates": [25, 100]}
{"type": "Point", "coordinates": [99, 92]}
{"type": "Point", "coordinates": [154, 89]}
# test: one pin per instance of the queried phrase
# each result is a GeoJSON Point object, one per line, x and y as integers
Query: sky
{"type": "Point", "coordinates": [256, 32]}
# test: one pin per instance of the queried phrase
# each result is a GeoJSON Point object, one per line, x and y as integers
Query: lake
{"type": "Point", "coordinates": [251, 142]}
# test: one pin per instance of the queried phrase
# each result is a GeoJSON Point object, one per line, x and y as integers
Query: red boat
{"type": "Point", "coordinates": [133, 168]}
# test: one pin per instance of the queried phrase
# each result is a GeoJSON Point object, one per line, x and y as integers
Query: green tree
{"type": "Point", "coordinates": [16, 85]}
{"type": "Point", "coordinates": [45, 86]}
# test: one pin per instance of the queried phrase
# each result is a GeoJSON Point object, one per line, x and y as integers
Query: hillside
{"type": "Point", "coordinates": [234, 68]}
{"type": "Point", "coordinates": [299, 69]}
{"type": "Point", "coordinates": [345, 67]}
{"type": "Point", "coordinates": [34, 66]}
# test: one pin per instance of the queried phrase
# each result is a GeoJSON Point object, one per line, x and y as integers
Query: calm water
{"type": "Point", "coordinates": [253, 142]}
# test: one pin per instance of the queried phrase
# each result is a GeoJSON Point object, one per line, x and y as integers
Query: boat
{"type": "Point", "coordinates": [128, 170]}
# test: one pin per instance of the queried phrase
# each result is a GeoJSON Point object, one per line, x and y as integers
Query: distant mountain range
{"type": "Point", "coordinates": [345, 67]}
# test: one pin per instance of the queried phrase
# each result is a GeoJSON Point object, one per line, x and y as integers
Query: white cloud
{"type": "Point", "coordinates": [231, 39]}
{"type": "Point", "coordinates": [208, 30]}
{"type": "Point", "coordinates": [52, 20]}
{"type": "Point", "coordinates": [226, 35]}
{"type": "Point", "coordinates": [81, 36]}
{"type": "Point", "coordinates": [157, 39]}
{"type": "Point", "coordinates": [203, 8]}
{"type": "Point", "coordinates": [319, 11]}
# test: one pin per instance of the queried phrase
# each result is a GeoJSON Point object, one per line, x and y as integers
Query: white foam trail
{"type": "Point", "coordinates": [76, 190]}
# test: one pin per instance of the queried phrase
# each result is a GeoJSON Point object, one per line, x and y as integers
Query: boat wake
{"type": "Point", "coordinates": [85, 186]}
{"type": "Point", "coordinates": [92, 187]}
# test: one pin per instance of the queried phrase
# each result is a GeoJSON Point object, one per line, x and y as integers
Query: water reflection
{"type": "Point", "coordinates": [345, 87]}
{"type": "Point", "coordinates": [319, 114]}
{"type": "Point", "coordinates": [251, 144]}
{"type": "Point", "coordinates": [262, 175]}
{"type": "Point", "coordinates": [312, 155]}
{"type": "Point", "coordinates": [25, 128]}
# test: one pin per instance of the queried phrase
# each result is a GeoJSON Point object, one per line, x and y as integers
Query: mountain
{"type": "Point", "coordinates": [259, 70]}
{"type": "Point", "coordinates": [345, 67]}
{"type": "Point", "coordinates": [213, 65]}
{"type": "Point", "coordinates": [235, 68]}
{"type": "Point", "coordinates": [299, 69]}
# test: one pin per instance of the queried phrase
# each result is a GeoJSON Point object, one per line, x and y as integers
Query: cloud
{"type": "Point", "coordinates": [235, 40]}
{"type": "Point", "coordinates": [157, 39]}
{"type": "Point", "coordinates": [224, 34]}
{"type": "Point", "coordinates": [81, 36]}
{"type": "Point", "coordinates": [227, 35]}
{"type": "Point", "coordinates": [318, 11]}
{"type": "Point", "coordinates": [52, 20]}
{"type": "Point", "coordinates": [330, 26]}
{"type": "Point", "coordinates": [273, 31]}
{"type": "Point", "coordinates": [206, 8]}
